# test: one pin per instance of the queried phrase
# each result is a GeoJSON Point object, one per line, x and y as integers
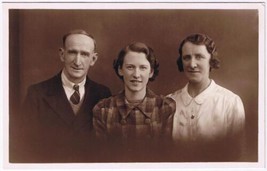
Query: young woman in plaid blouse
{"type": "Point", "coordinates": [136, 114]}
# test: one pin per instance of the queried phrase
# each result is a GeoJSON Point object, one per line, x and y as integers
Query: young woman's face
{"type": "Point", "coordinates": [196, 62]}
{"type": "Point", "coordinates": [136, 72]}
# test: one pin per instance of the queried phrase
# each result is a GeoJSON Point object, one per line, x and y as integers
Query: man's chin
{"type": "Point", "coordinates": [77, 76]}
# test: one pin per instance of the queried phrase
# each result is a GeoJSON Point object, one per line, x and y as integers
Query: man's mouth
{"type": "Point", "coordinates": [76, 68]}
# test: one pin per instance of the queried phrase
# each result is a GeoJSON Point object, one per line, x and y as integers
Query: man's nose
{"type": "Point", "coordinates": [77, 59]}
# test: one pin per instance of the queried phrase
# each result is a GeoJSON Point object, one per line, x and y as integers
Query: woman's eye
{"type": "Point", "coordinates": [199, 56]}
{"type": "Point", "coordinates": [130, 67]}
{"type": "Point", "coordinates": [143, 67]}
{"type": "Point", "coordinates": [186, 58]}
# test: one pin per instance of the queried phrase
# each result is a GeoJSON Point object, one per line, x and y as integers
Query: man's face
{"type": "Point", "coordinates": [77, 55]}
{"type": "Point", "coordinates": [196, 62]}
{"type": "Point", "coordinates": [136, 72]}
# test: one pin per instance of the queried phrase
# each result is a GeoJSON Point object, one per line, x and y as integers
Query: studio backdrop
{"type": "Point", "coordinates": [36, 36]}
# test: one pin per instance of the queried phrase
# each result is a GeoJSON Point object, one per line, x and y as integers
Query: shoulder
{"type": "Point", "coordinates": [107, 102]}
{"type": "Point", "coordinates": [170, 103]}
{"type": "Point", "coordinates": [96, 85]}
{"type": "Point", "coordinates": [163, 102]}
{"type": "Point", "coordinates": [46, 84]}
{"type": "Point", "coordinates": [175, 94]}
{"type": "Point", "coordinates": [224, 93]}
{"type": "Point", "coordinates": [98, 88]}
{"type": "Point", "coordinates": [226, 97]}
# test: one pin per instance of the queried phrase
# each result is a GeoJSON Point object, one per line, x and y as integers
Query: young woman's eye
{"type": "Point", "coordinates": [143, 67]}
{"type": "Point", "coordinates": [130, 67]}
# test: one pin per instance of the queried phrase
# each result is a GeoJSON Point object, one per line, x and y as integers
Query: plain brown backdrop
{"type": "Point", "coordinates": [36, 35]}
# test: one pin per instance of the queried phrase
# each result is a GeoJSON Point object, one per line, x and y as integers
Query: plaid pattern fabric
{"type": "Point", "coordinates": [151, 119]}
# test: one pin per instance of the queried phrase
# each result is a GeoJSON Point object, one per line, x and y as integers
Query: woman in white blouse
{"type": "Point", "coordinates": [208, 117]}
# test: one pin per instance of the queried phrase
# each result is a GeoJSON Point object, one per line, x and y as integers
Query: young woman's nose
{"type": "Point", "coordinates": [136, 73]}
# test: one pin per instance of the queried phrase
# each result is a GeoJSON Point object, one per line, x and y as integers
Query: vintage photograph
{"type": "Point", "coordinates": [105, 83]}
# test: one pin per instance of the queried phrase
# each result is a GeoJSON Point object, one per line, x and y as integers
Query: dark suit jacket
{"type": "Point", "coordinates": [51, 131]}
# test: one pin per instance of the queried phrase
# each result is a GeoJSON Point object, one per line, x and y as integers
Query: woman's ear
{"type": "Point", "coordinates": [151, 73]}
{"type": "Point", "coordinates": [120, 71]}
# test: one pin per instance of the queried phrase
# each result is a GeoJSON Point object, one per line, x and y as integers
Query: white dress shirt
{"type": "Point", "coordinates": [213, 114]}
{"type": "Point", "coordinates": [68, 87]}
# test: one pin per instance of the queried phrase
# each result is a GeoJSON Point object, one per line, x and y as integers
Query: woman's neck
{"type": "Point", "coordinates": [135, 96]}
{"type": "Point", "coordinates": [195, 89]}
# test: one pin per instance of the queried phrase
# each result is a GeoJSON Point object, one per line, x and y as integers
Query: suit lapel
{"type": "Point", "coordinates": [57, 100]}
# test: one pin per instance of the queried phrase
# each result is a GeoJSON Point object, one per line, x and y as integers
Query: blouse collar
{"type": "Point", "coordinates": [199, 99]}
{"type": "Point", "coordinates": [145, 106]}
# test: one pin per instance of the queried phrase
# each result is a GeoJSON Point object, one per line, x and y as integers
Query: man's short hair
{"type": "Point", "coordinates": [78, 31]}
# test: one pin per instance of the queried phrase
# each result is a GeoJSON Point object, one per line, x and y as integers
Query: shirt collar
{"type": "Point", "coordinates": [144, 106]}
{"type": "Point", "coordinates": [199, 99]}
{"type": "Point", "coordinates": [67, 83]}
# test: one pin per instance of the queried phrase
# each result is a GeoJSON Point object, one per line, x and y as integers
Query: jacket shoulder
{"type": "Point", "coordinates": [97, 85]}
{"type": "Point", "coordinates": [46, 84]}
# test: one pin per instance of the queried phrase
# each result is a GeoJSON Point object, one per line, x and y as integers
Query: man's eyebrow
{"type": "Point", "coordinates": [84, 51]}
{"type": "Point", "coordinates": [72, 50]}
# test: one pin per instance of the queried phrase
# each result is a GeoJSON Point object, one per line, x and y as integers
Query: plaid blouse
{"type": "Point", "coordinates": [150, 119]}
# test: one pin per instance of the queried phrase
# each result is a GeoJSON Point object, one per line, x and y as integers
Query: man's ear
{"type": "Point", "coordinates": [61, 54]}
{"type": "Point", "coordinates": [94, 59]}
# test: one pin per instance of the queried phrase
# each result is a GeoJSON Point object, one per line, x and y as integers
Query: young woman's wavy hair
{"type": "Point", "coordinates": [200, 39]}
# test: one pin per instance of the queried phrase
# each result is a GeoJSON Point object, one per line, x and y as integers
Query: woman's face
{"type": "Point", "coordinates": [136, 71]}
{"type": "Point", "coordinates": [196, 62]}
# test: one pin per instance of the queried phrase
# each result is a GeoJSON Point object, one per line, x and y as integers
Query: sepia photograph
{"type": "Point", "coordinates": [135, 85]}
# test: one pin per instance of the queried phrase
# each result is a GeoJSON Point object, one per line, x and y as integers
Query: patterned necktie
{"type": "Point", "coordinates": [75, 97]}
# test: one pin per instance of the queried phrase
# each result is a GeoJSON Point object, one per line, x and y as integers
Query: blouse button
{"type": "Point", "coordinates": [147, 120]}
{"type": "Point", "coordinates": [123, 121]}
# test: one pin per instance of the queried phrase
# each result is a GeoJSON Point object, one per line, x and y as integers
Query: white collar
{"type": "Point", "coordinates": [199, 99]}
{"type": "Point", "coordinates": [67, 83]}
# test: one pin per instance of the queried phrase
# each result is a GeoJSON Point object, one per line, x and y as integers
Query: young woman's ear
{"type": "Point", "coordinates": [120, 71]}
{"type": "Point", "coordinates": [151, 73]}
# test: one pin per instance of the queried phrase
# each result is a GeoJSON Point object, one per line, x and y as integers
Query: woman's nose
{"type": "Point", "coordinates": [136, 73]}
{"type": "Point", "coordinates": [193, 63]}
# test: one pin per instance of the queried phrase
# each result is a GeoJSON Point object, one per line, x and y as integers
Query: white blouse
{"type": "Point", "coordinates": [213, 114]}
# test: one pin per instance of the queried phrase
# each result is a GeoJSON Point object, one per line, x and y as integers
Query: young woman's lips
{"type": "Point", "coordinates": [193, 72]}
{"type": "Point", "coordinates": [135, 81]}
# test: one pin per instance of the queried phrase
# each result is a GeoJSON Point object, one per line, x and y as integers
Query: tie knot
{"type": "Point", "coordinates": [76, 87]}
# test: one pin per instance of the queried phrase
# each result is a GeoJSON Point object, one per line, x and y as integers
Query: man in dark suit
{"type": "Point", "coordinates": [57, 113]}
